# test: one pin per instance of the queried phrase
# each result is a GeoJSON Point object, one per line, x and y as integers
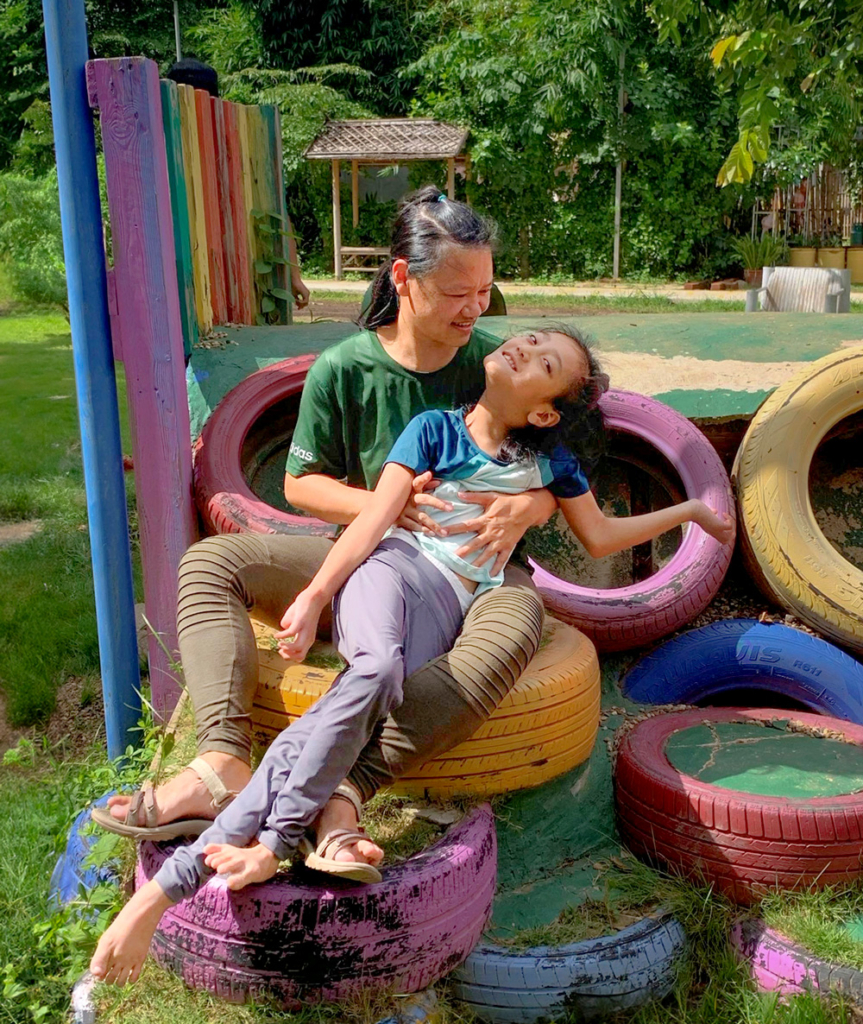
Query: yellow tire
{"type": "Point", "coordinates": [544, 727]}
{"type": "Point", "coordinates": [783, 545]}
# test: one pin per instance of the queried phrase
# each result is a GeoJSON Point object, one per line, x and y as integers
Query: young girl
{"type": "Point", "coordinates": [398, 602]}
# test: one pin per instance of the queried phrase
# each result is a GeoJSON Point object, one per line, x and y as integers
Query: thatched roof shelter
{"type": "Point", "coordinates": [385, 141]}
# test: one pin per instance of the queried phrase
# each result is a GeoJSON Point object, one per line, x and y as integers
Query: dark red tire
{"type": "Point", "coordinates": [639, 614]}
{"type": "Point", "coordinates": [295, 940]}
{"type": "Point", "coordinates": [743, 844]}
{"type": "Point", "coordinates": [222, 493]}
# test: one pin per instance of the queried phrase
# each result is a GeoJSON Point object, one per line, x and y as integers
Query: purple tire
{"type": "Point", "coordinates": [294, 940]}
{"type": "Point", "coordinates": [631, 616]}
{"type": "Point", "coordinates": [780, 965]}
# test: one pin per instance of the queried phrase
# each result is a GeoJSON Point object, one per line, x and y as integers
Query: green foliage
{"type": "Point", "coordinates": [755, 253]}
{"type": "Point", "coordinates": [541, 98]}
{"type": "Point", "coordinates": [23, 69]}
{"type": "Point", "coordinates": [783, 64]}
{"type": "Point", "coordinates": [45, 949]}
{"type": "Point", "coordinates": [376, 35]}
{"type": "Point", "coordinates": [30, 237]}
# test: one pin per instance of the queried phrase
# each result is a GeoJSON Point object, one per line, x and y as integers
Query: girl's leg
{"type": "Point", "coordinates": [383, 626]}
{"type": "Point", "coordinates": [222, 581]}
{"type": "Point", "coordinates": [448, 699]}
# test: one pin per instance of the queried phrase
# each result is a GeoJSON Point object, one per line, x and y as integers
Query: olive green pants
{"type": "Point", "coordinates": [223, 580]}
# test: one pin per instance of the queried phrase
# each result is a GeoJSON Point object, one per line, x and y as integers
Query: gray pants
{"type": "Point", "coordinates": [225, 579]}
{"type": "Point", "coordinates": [395, 613]}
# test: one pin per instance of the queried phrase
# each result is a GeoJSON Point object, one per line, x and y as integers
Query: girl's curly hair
{"type": "Point", "coordinates": [581, 429]}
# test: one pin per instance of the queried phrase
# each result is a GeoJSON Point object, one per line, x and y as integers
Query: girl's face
{"type": "Point", "coordinates": [443, 307]}
{"type": "Point", "coordinates": [527, 373]}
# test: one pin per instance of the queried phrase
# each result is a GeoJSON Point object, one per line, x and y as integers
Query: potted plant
{"type": "Point", "coordinates": [831, 252]}
{"type": "Point", "coordinates": [756, 253]}
{"type": "Point", "coordinates": [802, 251]}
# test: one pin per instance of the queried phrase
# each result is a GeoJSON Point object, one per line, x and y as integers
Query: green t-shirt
{"type": "Point", "coordinates": [357, 400]}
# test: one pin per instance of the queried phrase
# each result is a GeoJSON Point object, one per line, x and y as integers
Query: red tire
{"type": "Point", "coordinates": [306, 937]}
{"type": "Point", "coordinates": [222, 493]}
{"type": "Point", "coordinates": [639, 614]}
{"type": "Point", "coordinates": [743, 843]}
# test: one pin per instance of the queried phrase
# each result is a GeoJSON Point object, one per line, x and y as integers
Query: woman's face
{"type": "Point", "coordinates": [442, 307]}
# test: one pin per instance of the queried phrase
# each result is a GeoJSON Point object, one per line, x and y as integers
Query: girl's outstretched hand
{"type": "Point", "coordinates": [299, 627]}
{"type": "Point", "coordinates": [720, 527]}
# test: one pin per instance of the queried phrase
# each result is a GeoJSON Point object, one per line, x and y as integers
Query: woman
{"type": "Point", "coordinates": [420, 349]}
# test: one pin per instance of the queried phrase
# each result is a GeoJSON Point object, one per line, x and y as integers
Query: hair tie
{"type": "Point", "coordinates": [441, 198]}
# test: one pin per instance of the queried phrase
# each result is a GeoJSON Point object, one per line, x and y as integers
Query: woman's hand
{"type": "Point", "coordinates": [412, 517]}
{"type": "Point", "coordinates": [506, 519]}
{"type": "Point", "coordinates": [721, 528]}
{"type": "Point", "coordinates": [299, 626]}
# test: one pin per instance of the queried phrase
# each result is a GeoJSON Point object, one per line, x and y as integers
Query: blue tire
{"type": "Point", "coordinates": [739, 654]}
{"type": "Point", "coordinates": [586, 980]}
{"type": "Point", "coordinates": [69, 873]}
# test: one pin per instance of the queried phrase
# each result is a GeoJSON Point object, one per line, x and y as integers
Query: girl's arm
{"type": "Point", "coordinates": [384, 504]}
{"type": "Point", "coordinates": [602, 535]}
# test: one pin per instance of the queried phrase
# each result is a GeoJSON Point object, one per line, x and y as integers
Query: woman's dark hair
{"type": "Point", "coordinates": [427, 224]}
{"type": "Point", "coordinates": [196, 73]}
{"type": "Point", "coordinates": [581, 429]}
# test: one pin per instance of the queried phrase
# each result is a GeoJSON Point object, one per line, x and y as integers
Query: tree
{"type": "Point", "coordinates": [798, 63]}
{"type": "Point", "coordinates": [537, 83]}
{"type": "Point", "coordinates": [115, 28]}
{"type": "Point", "coordinates": [375, 35]}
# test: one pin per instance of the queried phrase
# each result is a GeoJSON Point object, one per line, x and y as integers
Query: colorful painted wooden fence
{"type": "Point", "coordinates": [197, 213]}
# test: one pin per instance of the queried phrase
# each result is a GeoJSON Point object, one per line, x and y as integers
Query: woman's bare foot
{"type": "Point", "coordinates": [186, 796]}
{"type": "Point", "coordinates": [123, 948]}
{"type": "Point", "coordinates": [241, 865]}
{"type": "Point", "coordinates": [339, 813]}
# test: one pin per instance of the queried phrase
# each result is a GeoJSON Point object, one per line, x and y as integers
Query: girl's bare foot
{"type": "Point", "coordinates": [339, 813]}
{"type": "Point", "coordinates": [186, 796]}
{"type": "Point", "coordinates": [241, 865]}
{"type": "Point", "coordinates": [123, 948]}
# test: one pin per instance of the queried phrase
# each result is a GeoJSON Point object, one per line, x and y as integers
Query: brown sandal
{"type": "Point", "coordinates": [220, 797]}
{"type": "Point", "coordinates": [317, 858]}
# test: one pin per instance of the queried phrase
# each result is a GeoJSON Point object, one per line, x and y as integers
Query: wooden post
{"type": "Point", "coordinates": [337, 221]}
{"type": "Point", "coordinates": [180, 211]}
{"type": "Point", "coordinates": [215, 256]}
{"type": "Point", "coordinates": [127, 95]}
{"type": "Point", "coordinates": [618, 179]}
{"type": "Point", "coordinates": [271, 153]}
{"type": "Point", "coordinates": [239, 214]}
{"type": "Point", "coordinates": [249, 201]}
{"type": "Point", "coordinates": [226, 219]}
{"type": "Point", "coordinates": [450, 178]}
{"type": "Point", "coordinates": [355, 191]}
{"type": "Point", "coordinates": [195, 200]}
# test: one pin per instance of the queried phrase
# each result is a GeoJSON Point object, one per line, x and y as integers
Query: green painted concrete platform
{"type": "Point", "coordinates": [706, 365]}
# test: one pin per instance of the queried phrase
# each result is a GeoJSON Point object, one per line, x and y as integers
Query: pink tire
{"type": "Point", "coordinates": [632, 616]}
{"type": "Point", "coordinates": [779, 965]}
{"type": "Point", "coordinates": [222, 493]}
{"type": "Point", "coordinates": [295, 941]}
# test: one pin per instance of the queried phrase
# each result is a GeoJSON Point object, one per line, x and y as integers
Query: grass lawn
{"type": "Point", "coordinates": [48, 636]}
{"type": "Point", "coordinates": [47, 613]}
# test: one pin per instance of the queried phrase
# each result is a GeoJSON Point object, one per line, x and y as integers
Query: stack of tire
{"type": "Point", "coordinates": [744, 843]}
{"type": "Point", "coordinates": [546, 726]}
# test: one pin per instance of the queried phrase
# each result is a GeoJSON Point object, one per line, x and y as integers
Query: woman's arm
{"type": "Point", "coordinates": [335, 502]}
{"type": "Point", "coordinates": [506, 519]}
{"type": "Point", "coordinates": [382, 508]}
{"type": "Point", "coordinates": [603, 535]}
{"type": "Point", "coordinates": [326, 498]}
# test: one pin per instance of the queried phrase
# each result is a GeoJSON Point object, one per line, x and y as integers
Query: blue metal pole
{"type": "Point", "coordinates": [80, 211]}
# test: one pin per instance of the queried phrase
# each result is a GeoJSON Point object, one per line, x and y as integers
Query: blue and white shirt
{"type": "Point", "coordinates": [438, 440]}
